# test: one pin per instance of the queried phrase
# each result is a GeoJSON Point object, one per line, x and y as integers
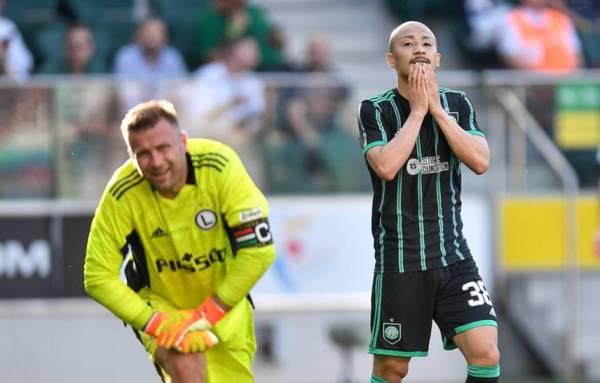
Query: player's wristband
{"type": "Point", "coordinates": [211, 310]}
{"type": "Point", "coordinates": [153, 323]}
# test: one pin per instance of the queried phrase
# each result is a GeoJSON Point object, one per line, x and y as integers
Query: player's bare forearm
{"type": "Point", "coordinates": [388, 159]}
{"type": "Point", "coordinates": [472, 150]}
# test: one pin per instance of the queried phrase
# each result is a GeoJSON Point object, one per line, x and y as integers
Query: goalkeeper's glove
{"type": "Point", "coordinates": [169, 329]}
{"type": "Point", "coordinates": [197, 341]}
{"type": "Point", "coordinates": [209, 312]}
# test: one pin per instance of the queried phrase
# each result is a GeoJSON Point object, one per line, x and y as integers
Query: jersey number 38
{"type": "Point", "coordinates": [478, 293]}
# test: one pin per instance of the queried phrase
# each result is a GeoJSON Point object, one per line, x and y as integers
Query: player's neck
{"type": "Point", "coordinates": [402, 86]}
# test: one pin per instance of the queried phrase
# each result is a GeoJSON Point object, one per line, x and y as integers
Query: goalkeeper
{"type": "Point", "coordinates": [179, 238]}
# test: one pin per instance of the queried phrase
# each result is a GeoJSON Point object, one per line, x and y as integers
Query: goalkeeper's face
{"type": "Point", "coordinates": [159, 154]}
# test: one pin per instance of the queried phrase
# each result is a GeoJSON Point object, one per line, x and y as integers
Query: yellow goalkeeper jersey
{"type": "Point", "coordinates": [213, 237]}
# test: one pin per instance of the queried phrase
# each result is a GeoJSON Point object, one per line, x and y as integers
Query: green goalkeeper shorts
{"type": "Point", "coordinates": [231, 359]}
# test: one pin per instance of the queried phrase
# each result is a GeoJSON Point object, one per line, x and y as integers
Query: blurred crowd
{"type": "Point", "coordinates": [209, 57]}
{"type": "Point", "coordinates": [203, 55]}
{"type": "Point", "coordinates": [554, 36]}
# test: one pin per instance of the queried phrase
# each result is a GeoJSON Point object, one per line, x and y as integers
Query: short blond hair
{"type": "Point", "coordinates": [146, 115]}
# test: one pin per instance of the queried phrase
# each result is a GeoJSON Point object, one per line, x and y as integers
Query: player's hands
{"type": "Point", "coordinates": [197, 341]}
{"type": "Point", "coordinates": [209, 313]}
{"type": "Point", "coordinates": [169, 329]}
{"type": "Point", "coordinates": [417, 90]}
{"type": "Point", "coordinates": [433, 92]}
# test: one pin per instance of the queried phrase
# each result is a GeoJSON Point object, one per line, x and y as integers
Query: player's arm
{"type": "Point", "coordinates": [467, 142]}
{"type": "Point", "coordinates": [245, 209]}
{"type": "Point", "coordinates": [387, 159]}
{"type": "Point", "coordinates": [102, 281]}
{"type": "Point", "coordinates": [103, 261]}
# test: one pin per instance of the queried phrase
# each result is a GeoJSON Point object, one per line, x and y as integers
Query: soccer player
{"type": "Point", "coordinates": [179, 238]}
{"type": "Point", "coordinates": [414, 138]}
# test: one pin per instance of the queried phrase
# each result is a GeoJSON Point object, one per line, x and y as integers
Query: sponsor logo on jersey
{"type": "Point", "coordinates": [392, 332]}
{"type": "Point", "coordinates": [206, 219]}
{"type": "Point", "coordinates": [191, 263]}
{"type": "Point", "coordinates": [427, 165]}
{"type": "Point", "coordinates": [253, 234]}
{"type": "Point", "coordinates": [492, 312]}
{"type": "Point", "coordinates": [158, 232]}
{"type": "Point", "coordinates": [249, 215]}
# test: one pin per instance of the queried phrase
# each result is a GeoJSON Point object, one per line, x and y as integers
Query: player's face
{"type": "Point", "coordinates": [411, 45]}
{"type": "Point", "coordinates": [159, 154]}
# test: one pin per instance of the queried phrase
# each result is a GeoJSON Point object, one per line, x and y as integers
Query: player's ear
{"type": "Point", "coordinates": [184, 138]}
{"type": "Point", "coordinates": [390, 60]}
{"type": "Point", "coordinates": [438, 58]}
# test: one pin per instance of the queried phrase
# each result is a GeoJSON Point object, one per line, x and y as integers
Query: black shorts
{"type": "Point", "coordinates": [404, 305]}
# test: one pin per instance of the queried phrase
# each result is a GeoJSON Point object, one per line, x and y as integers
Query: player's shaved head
{"type": "Point", "coordinates": [406, 28]}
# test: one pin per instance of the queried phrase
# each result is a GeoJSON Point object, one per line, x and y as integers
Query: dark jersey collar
{"type": "Point", "coordinates": [191, 176]}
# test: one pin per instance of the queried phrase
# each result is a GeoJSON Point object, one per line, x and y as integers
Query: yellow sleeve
{"type": "Point", "coordinates": [246, 212]}
{"type": "Point", "coordinates": [104, 257]}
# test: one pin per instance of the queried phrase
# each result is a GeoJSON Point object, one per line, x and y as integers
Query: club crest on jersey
{"type": "Point", "coordinates": [392, 332]}
{"type": "Point", "coordinates": [206, 219]}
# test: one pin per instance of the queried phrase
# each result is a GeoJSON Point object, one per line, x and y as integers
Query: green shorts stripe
{"type": "Point", "coordinates": [478, 323]}
{"type": "Point", "coordinates": [403, 354]}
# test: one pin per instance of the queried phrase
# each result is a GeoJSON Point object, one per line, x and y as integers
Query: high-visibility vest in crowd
{"type": "Point", "coordinates": [551, 37]}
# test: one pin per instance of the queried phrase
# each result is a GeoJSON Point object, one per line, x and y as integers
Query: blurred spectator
{"type": "Point", "coordinates": [231, 19]}
{"type": "Point", "coordinates": [147, 58]}
{"type": "Point", "coordinates": [537, 37]}
{"type": "Point", "coordinates": [225, 100]}
{"type": "Point", "coordinates": [16, 60]}
{"type": "Point", "coordinates": [229, 96]}
{"type": "Point", "coordinates": [485, 19]}
{"type": "Point", "coordinates": [318, 54]}
{"type": "Point", "coordinates": [87, 115]}
{"type": "Point", "coordinates": [586, 14]}
{"type": "Point", "coordinates": [310, 111]}
{"type": "Point", "coordinates": [149, 55]}
{"type": "Point", "coordinates": [312, 150]}
{"type": "Point", "coordinates": [78, 54]}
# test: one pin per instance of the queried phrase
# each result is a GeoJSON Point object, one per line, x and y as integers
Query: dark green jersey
{"type": "Point", "coordinates": [416, 222]}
